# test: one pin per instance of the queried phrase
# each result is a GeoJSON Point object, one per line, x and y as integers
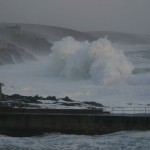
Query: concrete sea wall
{"type": "Point", "coordinates": [26, 124]}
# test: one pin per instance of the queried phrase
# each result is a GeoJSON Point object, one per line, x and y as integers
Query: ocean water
{"type": "Point", "coordinates": [135, 140]}
{"type": "Point", "coordinates": [111, 74]}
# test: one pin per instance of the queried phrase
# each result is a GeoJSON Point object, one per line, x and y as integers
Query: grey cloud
{"type": "Point", "coordinates": [84, 15]}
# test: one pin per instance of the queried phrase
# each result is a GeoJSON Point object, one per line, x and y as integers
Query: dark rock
{"type": "Point", "coordinates": [10, 54]}
{"type": "Point", "coordinates": [53, 98]}
{"type": "Point", "coordinates": [67, 99]}
{"type": "Point", "coordinates": [37, 45]}
{"type": "Point", "coordinates": [93, 104]}
{"type": "Point", "coordinates": [20, 101]}
{"type": "Point", "coordinates": [71, 104]}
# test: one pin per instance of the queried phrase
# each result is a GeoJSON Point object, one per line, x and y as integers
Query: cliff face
{"type": "Point", "coordinates": [35, 44]}
{"type": "Point", "coordinates": [17, 46]}
{"type": "Point", "coordinates": [9, 53]}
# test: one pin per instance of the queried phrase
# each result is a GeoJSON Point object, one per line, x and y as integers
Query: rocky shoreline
{"type": "Point", "coordinates": [37, 102]}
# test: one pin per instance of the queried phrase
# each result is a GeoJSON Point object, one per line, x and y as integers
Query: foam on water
{"type": "Point", "coordinates": [115, 141]}
{"type": "Point", "coordinates": [97, 60]}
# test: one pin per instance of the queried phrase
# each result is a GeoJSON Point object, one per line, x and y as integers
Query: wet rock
{"type": "Point", "coordinates": [71, 104]}
{"type": "Point", "coordinates": [67, 99]}
{"type": "Point", "coordinates": [20, 101]}
{"type": "Point", "coordinates": [95, 104]}
{"type": "Point", "coordinates": [10, 54]}
{"type": "Point", "coordinates": [37, 45]}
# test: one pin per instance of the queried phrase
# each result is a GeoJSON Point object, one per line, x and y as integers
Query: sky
{"type": "Point", "coordinates": [132, 16]}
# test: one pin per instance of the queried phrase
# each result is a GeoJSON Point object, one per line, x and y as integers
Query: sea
{"type": "Point", "coordinates": [134, 140]}
{"type": "Point", "coordinates": [112, 74]}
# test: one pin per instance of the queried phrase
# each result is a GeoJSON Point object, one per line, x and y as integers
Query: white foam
{"type": "Point", "coordinates": [97, 60]}
{"type": "Point", "coordinates": [115, 141]}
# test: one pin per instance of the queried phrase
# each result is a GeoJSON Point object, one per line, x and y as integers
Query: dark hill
{"type": "Point", "coordinates": [120, 37]}
{"type": "Point", "coordinates": [9, 53]}
{"type": "Point", "coordinates": [28, 40]}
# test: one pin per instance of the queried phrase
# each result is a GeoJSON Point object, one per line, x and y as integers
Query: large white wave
{"type": "Point", "coordinates": [97, 60]}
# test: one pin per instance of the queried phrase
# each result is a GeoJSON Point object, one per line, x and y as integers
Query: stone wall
{"type": "Point", "coordinates": [26, 124]}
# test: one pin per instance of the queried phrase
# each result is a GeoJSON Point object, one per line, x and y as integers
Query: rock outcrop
{"type": "Point", "coordinates": [20, 101]}
{"type": "Point", "coordinates": [10, 53]}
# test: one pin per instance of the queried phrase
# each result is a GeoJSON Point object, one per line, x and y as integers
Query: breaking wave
{"type": "Point", "coordinates": [97, 60]}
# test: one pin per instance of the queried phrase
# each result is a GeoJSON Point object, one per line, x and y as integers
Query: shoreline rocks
{"type": "Point", "coordinates": [20, 101]}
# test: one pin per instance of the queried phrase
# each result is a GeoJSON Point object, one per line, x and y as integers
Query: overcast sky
{"type": "Point", "coordinates": [83, 15]}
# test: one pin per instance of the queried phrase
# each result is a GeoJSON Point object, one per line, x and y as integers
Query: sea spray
{"type": "Point", "coordinates": [97, 60]}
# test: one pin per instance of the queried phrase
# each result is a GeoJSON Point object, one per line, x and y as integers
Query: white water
{"type": "Point", "coordinates": [116, 141]}
{"type": "Point", "coordinates": [98, 60]}
{"type": "Point", "coordinates": [97, 71]}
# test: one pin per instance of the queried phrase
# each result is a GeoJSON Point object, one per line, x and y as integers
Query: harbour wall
{"type": "Point", "coordinates": [28, 124]}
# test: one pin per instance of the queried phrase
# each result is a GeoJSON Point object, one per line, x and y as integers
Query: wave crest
{"type": "Point", "coordinates": [97, 60]}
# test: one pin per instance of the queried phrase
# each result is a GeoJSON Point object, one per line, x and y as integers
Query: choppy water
{"type": "Point", "coordinates": [117, 141]}
{"type": "Point", "coordinates": [124, 86]}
